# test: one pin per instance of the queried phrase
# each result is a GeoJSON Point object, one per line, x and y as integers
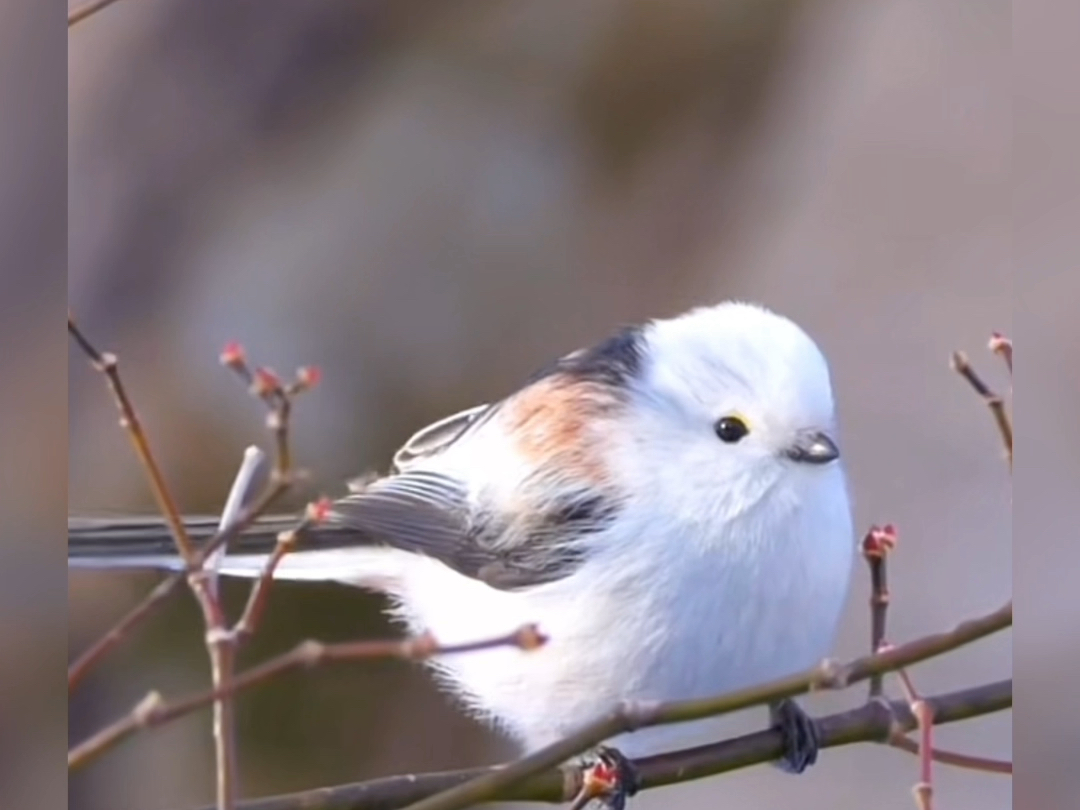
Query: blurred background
{"type": "Point", "coordinates": [429, 200]}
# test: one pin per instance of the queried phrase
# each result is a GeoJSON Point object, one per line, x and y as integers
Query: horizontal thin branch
{"type": "Point", "coordinates": [868, 723]}
{"type": "Point", "coordinates": [154, 711]}
{"type": "Point", "coordinates": [954, 758]}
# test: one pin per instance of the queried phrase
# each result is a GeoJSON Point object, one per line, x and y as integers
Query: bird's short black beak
{"type": "Point", "coordinates": [813, 447]}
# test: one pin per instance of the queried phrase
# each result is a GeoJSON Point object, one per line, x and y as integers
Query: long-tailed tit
{"type": "Point", "coordinates": [667, 506]}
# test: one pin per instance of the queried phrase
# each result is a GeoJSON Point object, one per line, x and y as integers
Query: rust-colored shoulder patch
{"type": "Point", "coordinates": [560, 421]}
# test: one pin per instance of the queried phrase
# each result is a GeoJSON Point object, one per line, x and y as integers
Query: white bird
{"type": "Point", "coordinates": [668, 506]}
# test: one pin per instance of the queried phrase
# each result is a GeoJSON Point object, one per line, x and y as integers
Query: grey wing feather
{"type": "Point", "coordinates": [428, 513]}
{"type": "Point", "coordinates": [417, 511]}
{"type": "Point", "coordinates": [421, 512]}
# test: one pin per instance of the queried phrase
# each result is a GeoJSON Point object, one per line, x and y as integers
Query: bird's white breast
{"type": "Point", "coordinates": [672, 607]}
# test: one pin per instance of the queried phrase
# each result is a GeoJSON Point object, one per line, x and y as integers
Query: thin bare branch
{"type": "Point", "coordinates": [221, 644]}
{"type": "Point", "coordinates": [962, 366]}
{"type": "Point", "coordinates": [278, 399]}
{"type": "Point", "coordinates": [923, 790]}
{"type": "Point", "coordinates": [121, 630]}
{"type": "Point", "coordinates": [876, 545]}
{"type": "Point", "coordinates": [106, 363]}
{"type": "Point", "coordinates": [153, 711]}
{"type": "Point", "coordinates": [133, 618]}
{"type": "Point", "coordinates": [868, 723]}
{"type": "Point", "coordinates": [81, 12]}
{"type": "Point", "coordinates": [953, 758]}
{"type": "Point", "coordinates": [286, 542]}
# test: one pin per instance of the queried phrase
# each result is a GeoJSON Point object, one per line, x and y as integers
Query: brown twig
{"type": "Point", "coordinates": [81, 12]}
{"type": "Point", "coordinates": [220, 651]}
{"type": "Point", "coordinates": [962, 366]}
{"type": "Point", "coordinates": [133, 618]}
{"type": "Point", "coordinates": [119, 632]}
{"type": "Point", "coordinates": [154, 711]}
{"type": "Point", "coordinates": [629, 717]}
{"type": "Point", "coordinates": [280, 481]}
{"type": "Point", "coordinates": [106, 363]}
{"type": "Point", "coordinates": [221, 644]}
{"type": "Point", "coordinates": [902, 742]}
{"type": "Point", "coordinates": [286, 542]}
{"type": "Point", "coordinates": [876, 545]}
{"type": "Point", "coordinates": [218, 648]}
{"type": "Point", "coordinates": [923, 790]}
{"type": "Point", "coordinates": [868, 723]}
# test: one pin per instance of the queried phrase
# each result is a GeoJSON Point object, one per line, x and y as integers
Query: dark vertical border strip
{"type": "Point", "coordinates": [33, 401]}
{"type": "Point", "coordinates": [1046, 262]}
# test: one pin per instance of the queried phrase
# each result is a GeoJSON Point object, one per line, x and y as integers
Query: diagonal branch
{"type": "Point", "coordinates": [954, 758]}
{"type": "Point", "coordinates": [81, 12]}
{"type": "Point", "coordinates": [106, 364]}
{"type": "Point", "coordinates": [867, 723]}
{"type": "Point", "coordinates": [962, 366]}
{"type": "Point", "coordinates": [154, 711]}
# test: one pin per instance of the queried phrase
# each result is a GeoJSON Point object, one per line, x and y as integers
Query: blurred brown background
{"type": "Point", "coordinates": [430, 199]}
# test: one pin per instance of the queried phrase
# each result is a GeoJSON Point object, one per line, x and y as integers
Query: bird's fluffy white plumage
{"type": "Point", "coordinates": [728, 564]}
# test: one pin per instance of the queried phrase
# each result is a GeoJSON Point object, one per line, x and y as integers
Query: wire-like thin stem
{"type": "Point", "coordinates": [962, 366]}
{"type": "Point", "coordinates": [81, 12]}
{"type": "Point", "coordinates": [106, 363]}
{"type": "Point", "coordinates": [954, 758]}
{"type": "Point", "coordinates": [260, 590]}
{"type": "Point", "coordinates": [923, 790]}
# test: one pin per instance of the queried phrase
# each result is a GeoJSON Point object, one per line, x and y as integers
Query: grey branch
{"type": "Point", "coordinates": [871, 722]}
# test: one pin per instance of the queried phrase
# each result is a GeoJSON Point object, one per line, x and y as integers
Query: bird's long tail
{"type": "Point", "coordinates": [326, 552]}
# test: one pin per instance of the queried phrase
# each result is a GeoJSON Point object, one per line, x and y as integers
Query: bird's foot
{"type": "Point", "coordinates": [801, 737]}
{"type": "Point", "coordinates": [607, 777]}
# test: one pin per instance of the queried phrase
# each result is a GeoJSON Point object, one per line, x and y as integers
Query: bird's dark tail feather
{"type": "Point", "coordinates": [147, 542]}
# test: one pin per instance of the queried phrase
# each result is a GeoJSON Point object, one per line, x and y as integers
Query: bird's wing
{"type": "Point", "coordinates": [430, 513]}
{"type": "Point", "coordinates": [610, 362]}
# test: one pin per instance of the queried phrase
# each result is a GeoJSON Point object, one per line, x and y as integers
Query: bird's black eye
{"type": "Point", "coordinates": [731, 429]}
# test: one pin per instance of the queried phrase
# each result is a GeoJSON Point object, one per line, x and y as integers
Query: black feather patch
{"type": "Point", "coordinates": [613, 362]}
{"type": "Point", "coordinates": [546, 547]}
